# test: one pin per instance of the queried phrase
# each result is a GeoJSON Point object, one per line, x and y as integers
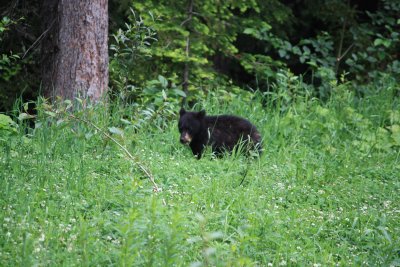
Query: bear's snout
{"type": "Point", "coordinates": [185, 138]}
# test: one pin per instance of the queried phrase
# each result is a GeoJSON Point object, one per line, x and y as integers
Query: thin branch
{"type": "Point", "coordinates": [187, 69]}
{"type": "Point", "coordinates": [186, 20]}
{"type": "Point", "coordinates": [39, 38]}
{"type": "Point", "coordinates": [142, 168]}
{"type": "Point", "coordinates": [340, 56]}
{"type": "Point", "coordinates": [340, 47]}
{"type": "Point", "coordinates": [345, 52]}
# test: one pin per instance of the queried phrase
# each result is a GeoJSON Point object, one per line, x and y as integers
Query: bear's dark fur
{"type": "Point", "coordinates": [221, 132]}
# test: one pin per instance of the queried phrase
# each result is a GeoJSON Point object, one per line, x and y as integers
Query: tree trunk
{"type": "Point", "coordinates": [74, 50]}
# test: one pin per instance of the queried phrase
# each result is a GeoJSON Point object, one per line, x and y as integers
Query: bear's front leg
{"type": "Point", "coordinates": [197, 150]}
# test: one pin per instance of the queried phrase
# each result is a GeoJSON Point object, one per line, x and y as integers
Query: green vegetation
{"type": "Point", "coordinates": [319, 79]}
{"type": "Point", "coordinates": [326, 190]}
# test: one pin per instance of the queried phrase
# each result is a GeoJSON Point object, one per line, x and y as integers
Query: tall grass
{"type": "Point", "coordinates": [324, 192]}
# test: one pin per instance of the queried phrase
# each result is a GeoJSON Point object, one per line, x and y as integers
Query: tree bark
{"type": "Point", "coordinates": [74, 52]}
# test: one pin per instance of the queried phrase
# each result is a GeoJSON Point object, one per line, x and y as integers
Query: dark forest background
{"type": "Point", "coordinates": [218, 44]}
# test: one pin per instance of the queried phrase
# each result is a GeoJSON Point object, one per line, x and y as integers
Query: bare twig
{"type": "Point", "coordinates": [345, 52]}
{"type": "Point", "coordinates": [130, 156]}
{"type": "Point", "coordinates": [186, 20]}
{"type": "Point", "coordinates": [340, 56]}
{"type": "Point", "coordinates": [187, 69]}
{"type": "Point", "coordinates": [39, 38]}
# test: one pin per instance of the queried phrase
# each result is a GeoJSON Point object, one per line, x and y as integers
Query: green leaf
{"type": "Point", "coordinates": [126, 122]}
{"type": "Point", "coordinates": [179, 92]}
{"type": "Point", "coordinates": [25, 116]}
{"type": "Point", "coordinates": [50, 113]}
{"type": "Point", "coordinates": [163, 81]}
{"type": "Point", "coordinates": [385, 233]}
{"type": "Point", "coordinates": [164, 95]}
{"type": "Point", "coordinates": [116, 130]}
{"type": "Point", "coordinates": [250, 31]}
{"type": "Point", "coordinates": [88, 135]}
{"type": "Point", "coordinates": [306, 50]}
{"type": "Point", "coordinates": [26, 105]}
{"type": "Point", "coordinates": [253, 32]}
{"type": "Point", "coordinates": [215, 235]}
{"type": "Point", "coordinates": [7, 124]}
{"type": "Point", "coordinates": [395, 129]}
{"type": "Point", "coordinates": [69, 104]}
{"type": "Point", "coordinates": [394, 116]}
{"type": "Point", "coordinates": [60, 121]}
{"type": "Point", "coordinates": [296, 50]}
{"type": "Point", "coordinates": [385, 42]}
{"type": "Point", "coordinates": [5, 120]}
{"type": "Point", "coordinates": [322, 111]}
{"type": "Point", "coordinates": [377, 42]}
{"type": "Point", "coordinates": [312, 63]}
{"type": "Point", "coordinates": [282, 53]}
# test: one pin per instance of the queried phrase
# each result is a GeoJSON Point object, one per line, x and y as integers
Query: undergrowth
{"type": "Point", "coordinates": [325, 191]}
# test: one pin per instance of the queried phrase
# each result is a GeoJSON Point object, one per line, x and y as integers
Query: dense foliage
{"type": "Point", "coordinates": [220, 44]}
{"type": "Point", "coordinates": [8, 66]}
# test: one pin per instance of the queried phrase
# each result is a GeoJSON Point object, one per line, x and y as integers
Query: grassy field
{"type": "Point", "coordinates": [326, 190]}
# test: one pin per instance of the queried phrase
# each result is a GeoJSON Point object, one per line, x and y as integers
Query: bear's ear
{"type": "Point", "coordinates": [201, 114]}
{"type": "Point", "coordinates": [182, 111]}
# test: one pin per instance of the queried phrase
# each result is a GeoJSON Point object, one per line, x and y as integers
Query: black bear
{"type": "Point", "coordinates": [221, 132]}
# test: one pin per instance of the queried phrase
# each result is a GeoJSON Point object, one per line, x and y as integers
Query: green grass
{"type": "Point", "coordinates": [326, 190]}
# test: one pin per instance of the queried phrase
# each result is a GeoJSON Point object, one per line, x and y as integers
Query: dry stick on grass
{"type": "Point", "coordinates": [142, 168]}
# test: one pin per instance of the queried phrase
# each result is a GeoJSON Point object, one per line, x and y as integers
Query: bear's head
{"type": "Point", "coordinates": [190, 125]}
